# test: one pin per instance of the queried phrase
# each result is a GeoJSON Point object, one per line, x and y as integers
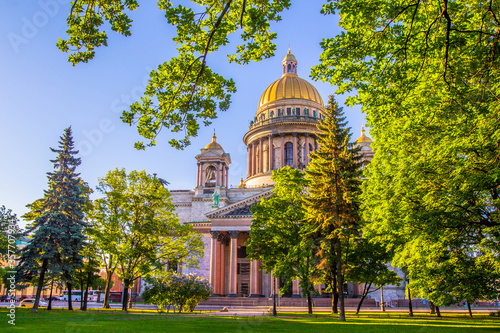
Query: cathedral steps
{"type": "Point", "coordinates": [298, 302]}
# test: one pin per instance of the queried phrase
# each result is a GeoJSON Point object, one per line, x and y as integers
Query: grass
{"type": "Point", "coordinates": [114, 321]}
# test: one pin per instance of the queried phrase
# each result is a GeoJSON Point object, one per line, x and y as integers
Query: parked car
{"type": "Point", "coordinates": [29, 302]}
{"type": "Point", "coordinates": [4, 298]}
{"type": "Point", "coordinates": [55, 298]}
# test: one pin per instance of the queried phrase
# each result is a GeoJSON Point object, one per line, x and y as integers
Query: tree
{"type": "Point", "coordinates": [182, 291]}
{"type": "Point", "coordinates": [135, 227]}
{"type": "Point", "coordinates": [183, 91]}
{"type": "Point", "coordinates": [8, 226]}
{"type": "Point", "coordinates": [57, 237]}
{"type": "Point", "coordinates": [367, 263]}
{"type": "Point", "coordinates": [334, 176]}
{"type": "Point", "coordinates": [279, 233]}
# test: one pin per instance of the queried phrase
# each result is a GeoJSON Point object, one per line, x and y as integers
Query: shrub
{"type": "Point", "coordinates": [175, 289]}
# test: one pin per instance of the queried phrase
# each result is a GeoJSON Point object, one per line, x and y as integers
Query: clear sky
{"type": "Point", "coordinates": [41, 94]}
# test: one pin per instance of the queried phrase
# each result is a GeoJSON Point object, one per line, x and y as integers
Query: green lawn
{"type": "Point", "coordinates": [77, 321]}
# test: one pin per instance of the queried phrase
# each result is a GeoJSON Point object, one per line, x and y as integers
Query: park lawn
{"type": "Point", "coordinates": [91, 321]}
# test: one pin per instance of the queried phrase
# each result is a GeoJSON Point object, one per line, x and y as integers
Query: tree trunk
{"type": "Point", "coordinates": [309, 303]}
{"type": "Point", "coordinates": [40, 285]}
{"type": "Point", "coordinates": [438, 312]}
{"type": "Point", "coordinates": [340, 280]}
{"type": "Point", "coordinates": [410, 307]}
{"type": "Point", "coordinates": [82, 283]}
{"type": "Point", "coordinates": [70, 305]}
{"type": "Point", "coordinates": [109, 274]}
{"type": "Point", "coordinates": [85, 299]}
{"type": "Point", "coordinates": [432, 308]}
{"type": "Point", "coordinates": [49, 307]}
{"type": "Point", "coordinates": [382, 301]}
{"type": "Point", "coordinates": [126, 284]}
{"type": "Point", "coordinates": [468, 306]}
{"type": "Point", "coordinates": [130, 298]}
{"type": "Point", "coordinates": [335, 293]}
{"type": "Point", "coordinates": [365, 292]}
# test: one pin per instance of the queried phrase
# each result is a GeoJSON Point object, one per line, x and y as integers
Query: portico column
{"type": "Point", "coordinates": [249, 160]}
{"type": "Point", "coordinates": [227, 177]}
{"type": "Point", "coordinates": [270, 153]}
{"type": "Point", "coordinates": [223, 176]}
{"type": "Point", "coordinates": [306, 158]}
{"type": "Point", "coordinates": [282, 149]}
{"type": "Point", "coordinates": [221, 265]}
{"type": "Point", "coordinates": [217, 174]}
{"type": "Point", "coordinates": [255, 277]}
{"type": "Point", "coordinates": [213, 262]}
{"type": "Point", "coordinates": [233, 280]}
{"type": "Point", "coordinates": [295, 289]}
{"type": "Point", "coordinates": [294, 150]}
{"type": "Point", "coordinates": [198, 182]}
{"type": "Point", "coordinates": [261, 155]}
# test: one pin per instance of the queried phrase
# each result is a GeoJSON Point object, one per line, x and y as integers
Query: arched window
{"type": "Point", "coordinates": [297, 111]}
{"type": "Point", "coordinates": [288, 111]}
{"type": "Point", "coordinates": [288, 154]}
{"type": "Point", "coordinates": [289, 68]}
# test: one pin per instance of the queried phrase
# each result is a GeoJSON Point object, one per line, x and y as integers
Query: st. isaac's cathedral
{"type": "Point", "coordinates": [282, 133]}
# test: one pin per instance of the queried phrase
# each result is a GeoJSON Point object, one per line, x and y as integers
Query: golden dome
{"type": "Point", "coordinates": [289, 56]}
{"type": "Point", "coordinates": [363, 137]}
{"type": "Point", "coordinates": [289, 87]}
{"type": "Point", "coordinates": [213, 144]}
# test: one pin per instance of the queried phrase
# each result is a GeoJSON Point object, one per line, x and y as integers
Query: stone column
{"type": "Point", "coordinates": [233, 266]}
{"type": "Point", "coordinates": [261, 156]}
{"type": "Point", "coordinates": [282, 149]}
{"type": "Point", "coordinates": [295, 289]}
{"type": "Point", "coordinates": [306, 158]}
{"type": "Point", "coordinates": [221, 265]}
{"type": "Point", "coordinates": [198, 174]}
{"type": "Point", "coordinates": [270, 153]}
{"type": "Point", "coordinates": [254, 157]}
{"type": "Point", "coordinates": [294, 150]}
{"type": "Point", "coordinates": [249, 160]}
{"type": "Point", "coordinates": [223, 175]}
{"type": "Point", "coordinates": [227, 177]}
{"type": "Point", "coordinates": [213, 262]}
{"type": "Point", "coordinates": [217, 174]}
{"type": "Point", "coordinates": [255, 279]}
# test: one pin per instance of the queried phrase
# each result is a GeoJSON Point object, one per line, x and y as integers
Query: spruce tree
{"type": "Point", "coordinates": [334, 179]}
{"type": "Point", "coordinates": [56, 232]}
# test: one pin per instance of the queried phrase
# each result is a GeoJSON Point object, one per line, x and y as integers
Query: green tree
{"type": "Point", "coordinates": [334, 176]}
{"type": "Point", "coordinates": [367, 263]}
{"type": "Point", "coordinates": [57, 237]}
{"type": "Point", "coordinates": [183, 91]}
{"type": "Point", "coordinates": [279, 233]}
{"type": "Point", "coordinates": [8, 226]}
{"type": "Point", "coordinates": [134, 224]}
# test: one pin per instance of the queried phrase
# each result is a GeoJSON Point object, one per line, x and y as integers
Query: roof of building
{"type": "Point", "coordinates": [214, 144]}
{"type": "Point", "coordinates": [363, 137]}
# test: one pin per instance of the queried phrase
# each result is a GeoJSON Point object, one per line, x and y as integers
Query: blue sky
{"type": "Point", "coordinates": [41, 94]}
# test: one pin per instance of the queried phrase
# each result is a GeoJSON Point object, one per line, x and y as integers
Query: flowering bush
{"type": "Point", "coordinates": [174, 289]}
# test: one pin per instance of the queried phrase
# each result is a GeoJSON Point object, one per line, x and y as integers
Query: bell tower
{"type": "Point", "coordinates": [213, 170]}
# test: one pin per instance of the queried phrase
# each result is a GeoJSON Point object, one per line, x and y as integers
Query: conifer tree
{"type": "Point", "coordinates": [57, 237]}
{"type": "Point", "coordinates": [334, 185]}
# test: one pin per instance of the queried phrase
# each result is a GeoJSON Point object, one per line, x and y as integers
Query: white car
{"type": "Point", "coordinates": [29, 302]}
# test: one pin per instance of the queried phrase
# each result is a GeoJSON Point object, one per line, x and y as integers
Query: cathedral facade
{"type": "Point", "coordinates": [282, 133]}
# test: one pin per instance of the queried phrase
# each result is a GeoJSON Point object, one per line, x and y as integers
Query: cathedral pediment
{"type": "Point", "coordinates": [239, 209]}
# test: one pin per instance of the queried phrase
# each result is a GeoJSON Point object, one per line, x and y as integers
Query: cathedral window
{"type": "Point", "coordinates": [297, 111]}
{"type": "Point", "coordinates": [210, 174]}
{"type": "Point", "coordinates": [289, 68]}
{"type": "Point", "coordinates": [289, 154]}
{"type": "Point", "coordinates": [315, 113]}
{"type": "Point", "coordinates": [288, 111]}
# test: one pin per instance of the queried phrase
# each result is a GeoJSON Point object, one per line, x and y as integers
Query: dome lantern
{"type": "Point", "coordinates": [289, 64]}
